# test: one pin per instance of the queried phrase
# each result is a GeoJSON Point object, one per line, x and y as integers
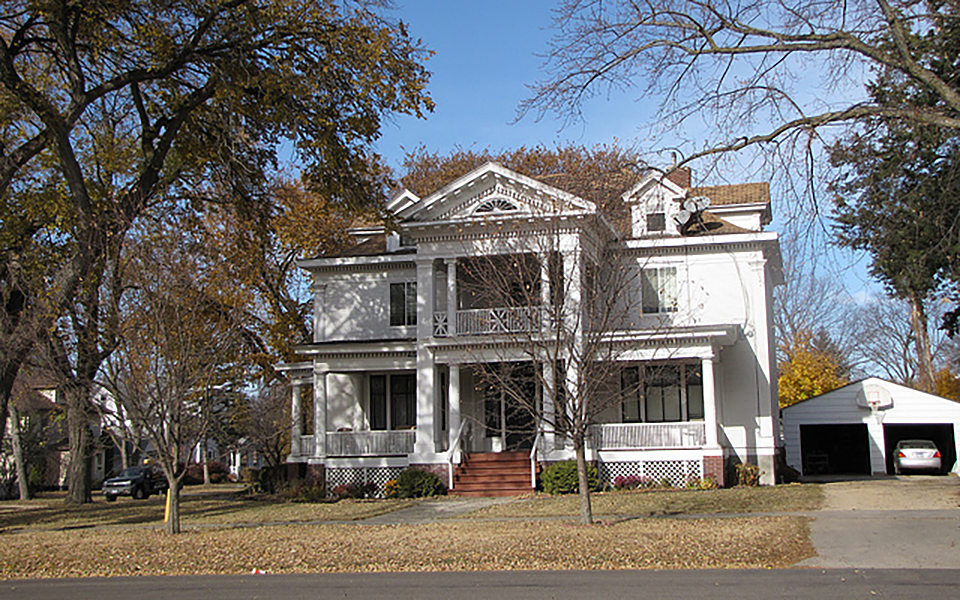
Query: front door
{"type": "Point", "coordinates": [510, 405]}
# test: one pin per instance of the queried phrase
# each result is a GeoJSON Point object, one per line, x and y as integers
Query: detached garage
{"type": "Point", "coordinates": [853, 430]}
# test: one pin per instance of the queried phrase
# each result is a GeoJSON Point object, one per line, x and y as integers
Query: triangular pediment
{"type": "Point", "coordinates": [489, 191]}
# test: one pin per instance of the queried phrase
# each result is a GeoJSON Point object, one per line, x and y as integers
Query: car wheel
{"type": "Point", "coordinates": [139, 494]}
{"type": "Point", "coordinates": [111, 498]}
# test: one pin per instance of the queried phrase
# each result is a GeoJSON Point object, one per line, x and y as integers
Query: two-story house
{"type": "Point", "coordinates": [406, 332]}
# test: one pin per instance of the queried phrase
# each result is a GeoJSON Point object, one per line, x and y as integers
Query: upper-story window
{"type": "Point", "coordinates": [656, 216]}
{"type": "Point", "coordinates": [495, 205]}
{"type": "Point", "coordinates": [656, 222]}
{"type": "Point", "coordinates": [403, 303]}
{"type": "Point", "coordinates": [659, 290]}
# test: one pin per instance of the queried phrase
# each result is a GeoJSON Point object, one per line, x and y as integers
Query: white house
{"type": "Point", "coordinates": [854, 429]}
{"type": "Point", "coordinates": [402, 333]}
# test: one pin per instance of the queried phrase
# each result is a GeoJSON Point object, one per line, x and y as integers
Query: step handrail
{"type": "Point", "coordinates": [453, 451]}
{"type": "Point", "coordinates": [533, 459]}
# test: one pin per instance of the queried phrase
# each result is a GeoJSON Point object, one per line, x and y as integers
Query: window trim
{"type": "Point", "coordinates": [687, 373]}
{"type": "Point", "coordinates": [409, 299]}
{"type": "Point", "coordinates": [667, 300]}
{"type": "Point", "coordinates": [389, 415]}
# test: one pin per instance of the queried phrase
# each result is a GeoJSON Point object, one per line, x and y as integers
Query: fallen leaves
{"type": "Point", "coordinates": [762, 542]}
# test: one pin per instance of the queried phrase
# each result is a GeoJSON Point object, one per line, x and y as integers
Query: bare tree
{"type": "Point", "coordinates": [556, 298]}
{"type": "Point", "coordinates": [179, 349]}
{"type": "Point", "coordinates": [886, 340]}
{"type": "Point", "coordinates": [750, 66]}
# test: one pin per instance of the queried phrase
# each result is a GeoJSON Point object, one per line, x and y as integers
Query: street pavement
{"type": "Point", "coordinates": [720, 584]}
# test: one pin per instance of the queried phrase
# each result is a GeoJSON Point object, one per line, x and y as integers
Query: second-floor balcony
{"type": "Point", "coordinates": [490, 321]}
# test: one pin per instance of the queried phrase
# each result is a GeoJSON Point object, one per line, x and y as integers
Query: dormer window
{"type": "Point", "coordinates": [656, 216]}
{"type": "Point", "coordinates": [495, 205]}
{"type": "Point", "coordinates": [656, 222]}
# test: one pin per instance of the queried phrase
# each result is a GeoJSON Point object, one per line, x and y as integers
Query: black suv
{"type": "Point", "coordinates": [138, 482]}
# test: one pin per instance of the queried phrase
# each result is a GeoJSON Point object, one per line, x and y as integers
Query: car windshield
{"type": "Point", "coordinates": [130, 472]}
{"type": "Point", "coordinates": [918, 444]}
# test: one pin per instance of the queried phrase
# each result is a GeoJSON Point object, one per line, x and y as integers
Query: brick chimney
{"type": "Point", "coordinates": [680, 176]}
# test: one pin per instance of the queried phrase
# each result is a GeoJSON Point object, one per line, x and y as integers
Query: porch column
{"type": "Point", "coordinates": [710, 402]}
{"type": "Point", "coordinates": [319, 414]}
{"type": "Point", "coordinates": [453, 394]}
{"type": "Point", "coordinates": [451, 296]}
{"type": "Point", "coordinates": [426, 368]}
{"type": "Point", "coordinates": [295, 428]}
{"type": "Point", "coordinates": [548, 407]}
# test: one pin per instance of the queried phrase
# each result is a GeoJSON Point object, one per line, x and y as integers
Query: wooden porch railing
{"type": "Point", "coordinates": [631, 436]}
{"type": "Point", "coordinates": [370, 443]}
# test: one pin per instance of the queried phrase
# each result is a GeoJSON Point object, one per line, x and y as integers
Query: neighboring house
{"type": "Point", "coordinates": [391, 376]}
{"type": "Point", "coordinates": [853, 430]}
{"type": "Point", "coordinates": [40, 434]}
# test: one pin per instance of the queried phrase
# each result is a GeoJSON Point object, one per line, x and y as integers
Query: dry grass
{"type": "Point", "coordinates": [765, 499]}
{"type": "Point", "coordinates": [44, 538]}
{"type": "Point", "coordinates": [224, 508]}
{"type": "Point", "coordinates": [762, 542]}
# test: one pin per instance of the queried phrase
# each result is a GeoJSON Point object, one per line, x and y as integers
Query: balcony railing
{"type": "Point", "coordinates": [632, 436]}
{"type": "Point", "coordinates": [370, 443]}
{"type": "Point", "coordinates": [486, 321]}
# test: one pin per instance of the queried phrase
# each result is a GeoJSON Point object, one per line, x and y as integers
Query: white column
{"type": "Point", "coordinates": [451, 296]}
{"type": "Point", "coordinates": [426, 368]}
{"type": "Point", "coordinates": [453, 413]}
{"type": "Point", "coordinates": [295, 429]}
{"type": "Point", "coordinates": [548, 407]}
{"type": "Point", "coordinates": [710, 402]}
{"type": "Point", "coordinates": [319, 414]}
{"type": "Point", "coordinates": [878, 463]}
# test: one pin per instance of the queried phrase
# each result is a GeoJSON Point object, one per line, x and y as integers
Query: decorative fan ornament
{"type": "Point", "coordinates": [495, 205]}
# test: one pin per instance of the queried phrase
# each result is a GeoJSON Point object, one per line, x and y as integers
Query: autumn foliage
{"type": "Point", "coordinates": [808, 370]}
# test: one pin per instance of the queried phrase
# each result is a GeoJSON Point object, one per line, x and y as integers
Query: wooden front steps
{"type": "Point", "coordinates": [493, 474]}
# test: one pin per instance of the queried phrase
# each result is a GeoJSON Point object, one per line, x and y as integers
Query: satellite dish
{"type": "Point", "coordinates": [682, 217]}
{"type": "Point", "coordinates": [697, 203]}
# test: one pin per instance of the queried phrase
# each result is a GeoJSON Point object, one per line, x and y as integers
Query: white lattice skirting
{"type": "Point", "coordinates": [361, 476]}
{"type": "Point", "coordinates": [678, 472]}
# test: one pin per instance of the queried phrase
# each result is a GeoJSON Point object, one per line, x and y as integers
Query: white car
{"type": "Point", "coordinates": [916, 455]}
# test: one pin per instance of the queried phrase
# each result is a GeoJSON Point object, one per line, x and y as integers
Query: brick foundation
{"type": "Point", "coordinates": [713, 468]}
{"type": "Point", "coordinates": [316, 476]}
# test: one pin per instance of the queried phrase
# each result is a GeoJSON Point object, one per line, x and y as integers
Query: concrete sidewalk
{"type": "Point", "coordinates": [429, 511]}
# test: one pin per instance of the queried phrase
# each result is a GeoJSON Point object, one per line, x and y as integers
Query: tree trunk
{"type": "Point", "coordinates": [78, 430]}
{"type": "Point", "coordinates": [586, 510]}
{"type": "Point", "coordinates": [918, 322]}
{"type": "Point", "coordinates": [17, 443]}
{"type": "Point", "coordinates": [172, 525]}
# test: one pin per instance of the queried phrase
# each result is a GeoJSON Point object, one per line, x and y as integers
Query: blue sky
{"type": "Point", "coordinates": [486, 55]}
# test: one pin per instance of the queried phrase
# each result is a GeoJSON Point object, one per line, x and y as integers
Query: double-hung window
{"type": "Point", "coordinates": [659, 290]}
{"type": "Point", "coordinates": [403, 303]}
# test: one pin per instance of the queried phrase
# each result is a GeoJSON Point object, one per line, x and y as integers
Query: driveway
{"type": "Point", "coordinates": [894, 522]}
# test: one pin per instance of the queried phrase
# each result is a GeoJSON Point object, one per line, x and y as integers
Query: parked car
{"type": "Point", "coordinates": [916, 455]}
{"type": "Point", "coordinates": [138, 482]}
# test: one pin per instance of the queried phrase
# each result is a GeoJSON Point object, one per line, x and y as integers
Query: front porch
{"type": "Point", "coordinates": [612, 437]}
